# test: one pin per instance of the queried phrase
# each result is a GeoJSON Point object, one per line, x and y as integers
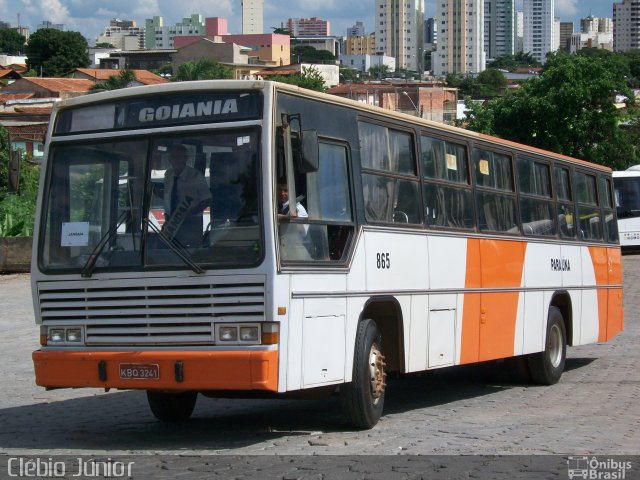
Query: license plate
{"type": "Point", "coordinates": [139, 371]}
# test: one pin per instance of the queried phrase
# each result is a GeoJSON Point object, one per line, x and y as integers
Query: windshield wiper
{"type": "Point", "coordinates": [175, 247]}
{"type": "Point", "coordinates": [90, 264]}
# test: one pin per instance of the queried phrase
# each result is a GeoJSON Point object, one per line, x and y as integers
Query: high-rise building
{"type": "Point", "coordinates": [308, 27]}
{"type": "Point", "coordinates": [566, 31]}
{"type": "Point", "coordinates": [594, 33]}
{"type": "Point", "coordinates": [123, 34]}
{"type": "Point", "coordinates": [399, 29]}
{"type": "Point", "coordinates": [519, 31]}
{"type": "Point", "coordinates": [252, 16]}
{"type": "Point", "coordinates": [499, 28]}
{"type": "Point", "coordinates": [430, 31]}
{"type": "Point", "coordinates": [48, 24]}
{"type": "Point", "coordinates": [356, 30]}
{"type": "Point", "coordinates": [160, 36]}
{"type": "Point", "coordinates": [539, 28]}
{"type": "Point", "coordinates": [360, 44]}
{"type": "Point", "coordinates": [460, 37]}
{"type": "Point", "coordinates": [626, 28]}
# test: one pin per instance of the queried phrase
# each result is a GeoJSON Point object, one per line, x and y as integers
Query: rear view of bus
{"type": "Point", "coordinates": [627, 191]}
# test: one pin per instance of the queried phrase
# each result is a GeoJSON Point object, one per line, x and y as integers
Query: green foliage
{"type": "Point", "coordinates": [310, 78]}
{"type": "Point", "coordinates": [17, 210]}
{"type": "Point", "coordinates": [568, 109]}
{"type": "Point", "coordinates": [203, 69]}
{"type": "Point", "coordinates": [11, 42]}
{"type": "Point", "coordinates": [104, 45]}
{"type": "Point", "coordinates": [378, 71]}
{"type": "Point", "coordinates": [115, 82]}
{"type": "Point", "coordinates": [512, 62]}
{"type": "Point", "coordinates": [308, 54]}
{"type": "Point", "coordinates": [349, 74]}
{"type": "Point", "coordinates": [55, 53]}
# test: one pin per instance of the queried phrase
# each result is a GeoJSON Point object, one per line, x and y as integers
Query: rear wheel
{"type": "Point", "coordinates": [172, 407]}
{"type": "Point", "coordinates": [363, 398]}
{"type": "Point", "coordinates": [547, 366]}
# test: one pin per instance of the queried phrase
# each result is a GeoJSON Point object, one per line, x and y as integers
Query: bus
{"type": "Point", "coordinates": [626, 186]}
{"type": "Point", "coordinates": [422, 246]}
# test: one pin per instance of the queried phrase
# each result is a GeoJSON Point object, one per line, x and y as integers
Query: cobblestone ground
{"type": "Point", "coordinates": [476, 410]}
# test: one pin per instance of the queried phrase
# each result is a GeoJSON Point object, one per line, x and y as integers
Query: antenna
{"type": "Point", "coordinates": [18, 19]}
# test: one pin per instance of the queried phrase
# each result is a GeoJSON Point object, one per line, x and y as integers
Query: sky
{"type": "Point", "coordinates": [90, 17]}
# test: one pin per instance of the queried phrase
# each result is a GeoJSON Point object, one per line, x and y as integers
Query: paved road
{"type": "Point", "coordinates": [473, 410]}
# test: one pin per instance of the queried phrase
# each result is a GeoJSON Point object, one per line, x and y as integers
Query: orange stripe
{"type": "Point", "coordinates": [615, 319]}
{"type": "Point", "coordinates": [502, 267]}
{"type": "Point", "coordinates": [202, 370]}
{"type": "Point", "coordinates": [599, 258]}
{"type": "Point", "coordinates": [470, 345]}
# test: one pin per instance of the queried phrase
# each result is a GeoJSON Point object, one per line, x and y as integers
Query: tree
{"type": "Point", "coordinates": [54, 53]}
{"type": "Point", "coordinates": [104, 45]}
{"type": "Point", "coordinates": [308, 54]}
{"type": "Point", "coordinates": [309, 78]}
{"type": "Point", "coordinates": [568, 109]}
{"type": "Point", "coordinates": [492, 82]}
{"type": "Point", "coordinates": [203, 69]}
{"type": "Point", "coordinates": [378, 71]}
{"type": "Point", "coordinates": [115, 82]}
{"type": "Point", "coordinates": [511, 62]}
{"type": "Point", "coordinates": [11, 42]}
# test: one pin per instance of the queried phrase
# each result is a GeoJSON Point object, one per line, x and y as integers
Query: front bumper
{"type": "Point", "coordinates": [192, 370]}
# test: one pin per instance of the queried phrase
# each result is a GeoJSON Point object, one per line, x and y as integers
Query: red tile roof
{"type": "Point", "coordinates": [5, 97]}
{"type": "Point", "coordinates": [101, 74]}
{"type": "Point", "coordinates": [60, 84]}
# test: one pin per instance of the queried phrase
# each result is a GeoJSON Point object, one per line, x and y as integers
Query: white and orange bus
{"type": "Point", "coordinates": [425, 246]}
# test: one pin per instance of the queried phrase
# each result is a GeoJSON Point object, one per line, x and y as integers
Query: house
{"type": "Point", "coordinates": [99, 75]}
{"type": "Point", "coordinates": [61, 88]}
{"type": "Point", "coordinates": [26, 119]}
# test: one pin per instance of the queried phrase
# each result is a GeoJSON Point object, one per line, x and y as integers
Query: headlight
{"type": "Point", "coordinates": [56, 335]}
{"type": "Point", "coordinates": [73, 334]}
{"type": "Point", "coordinates": [249, 334]}
{"type": "Point", "coordinates": [228, 334]}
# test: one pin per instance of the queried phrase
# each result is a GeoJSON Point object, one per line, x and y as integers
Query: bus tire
{"type": "Point", "coordinates": [546, 367]}
{"type": "Point", "coordinates": [362, 399]}
{"type": "Point", "coordinates": [172, 407]}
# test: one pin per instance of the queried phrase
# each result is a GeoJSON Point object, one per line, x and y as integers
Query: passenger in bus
{"type": "Point", "coordinates": [186, 195]}
{"type": "Point", "coordinates": [283, 203]}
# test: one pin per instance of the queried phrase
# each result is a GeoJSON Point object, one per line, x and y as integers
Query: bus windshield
{"type": "Point", "coordinates": [627, 193]}
{"type": "Point", "coordinates": [169, 201]}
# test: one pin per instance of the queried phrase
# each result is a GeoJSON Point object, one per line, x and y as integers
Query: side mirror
{"type": "Point", "coordinates": [309, 161]}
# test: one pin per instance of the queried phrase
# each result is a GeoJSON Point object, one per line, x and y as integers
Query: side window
{"type": "Point", "coordinates": [565, 205]}
{"type": "Point", "coordinates": [497, 207]}
{"type": "Point", "coordinates": [389, 175]}
{"type": "Point", "coordinates": [589, 221]}
{"type": "Point", "coordinates": [325, 234]}
{"type": "Point", "coordinates": [536, 206]}
{"type": "Point", "coordinates": [610, 222]}
{"type": "Point", "coordinates": [447, 192]}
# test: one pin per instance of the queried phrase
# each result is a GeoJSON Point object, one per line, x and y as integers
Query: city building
{"type": "Point", "coordinates": [430, 31]}
{"type": "Point", "coordinates": [519, 47]}
{"type": "Point", "coordinates": [364, 62]}
{"type": "Point", "coordinates": [123, 34]}
{"type": "Point", "coordinates": [308, 27]}
{"type": "Point", "coordinates": [48, 24]}
{"type": "Point", "coordinates": [356, 30]}
{"type": "Point", "coordinates": [594, 33]}
{"type": "Point", "coordinates": [566, 31]}
{"type": "Point", "coordinates": [499, 28]}
{"type": "Point", "coordinates": [252, 17]}
{"type": "Point", "coordinates": [330, 44]}
{"type": "Point", "coordinates": [160, 36]}
{"type": "Point", "coordinates": [626, 27]}
{"type": "Point", "coordinates": [399, 29]}
{"type": "Point", "coordinates": [460, 38]}
{"type": "Point", "coordinates": [539, 28]}
{"type": "Point", "coordinates": [360, 44]}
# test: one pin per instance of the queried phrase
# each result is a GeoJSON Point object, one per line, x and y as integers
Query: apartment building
{"type": "Point", "coordinates": [399, 30]}
{"type": "Point", "coordinates": [360, 44]}
{"type": "Point", "coordinates": [460, 37]}
{"type": "Point", "coordinates": [123, 34]}
{"type": "Point", "coordinates": [160, 36]}
{"type": "Point", "coordinates": [308, 27]}
{"type": "Point", "coordinates": [499, 28]}
{"type": "Point", "coordinates": [626, 25]}
{"type": "Point", "coordinates": [540, 28]}
{"type": "Point", "coordinates": [252, 17]}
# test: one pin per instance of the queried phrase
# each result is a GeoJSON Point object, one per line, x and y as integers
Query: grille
{"type": "Point", "coordinates": [149, 312]}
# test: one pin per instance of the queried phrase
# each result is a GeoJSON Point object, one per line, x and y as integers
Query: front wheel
{"type": "Point", "coordinates": [363, 398]}
{"type": "Point", "coordinates": [547, 366]}
{"type": "Point", "coordinates": [172, 407]}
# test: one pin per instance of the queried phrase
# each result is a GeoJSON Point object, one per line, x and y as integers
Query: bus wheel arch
{"type": "Point", "coordinates": [546, 367]}
{"type": "Point", "coordinates": [387, 314]}
{"type": "Point", "coordinates": [562, 301]}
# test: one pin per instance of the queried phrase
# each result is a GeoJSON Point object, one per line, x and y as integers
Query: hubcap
{"type": "Point", "coordinates": [377, 376]}
{"type": "Point", "coordinates": [555, 346]}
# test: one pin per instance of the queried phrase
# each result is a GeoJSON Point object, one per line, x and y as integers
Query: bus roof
{"type": "Point", "coordinates": [265, 85]}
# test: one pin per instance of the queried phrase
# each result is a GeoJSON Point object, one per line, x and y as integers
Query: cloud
{"type": "Point", "coordinates": [566, 7]}
{"type": "Point", "coordinates": [51, 10]}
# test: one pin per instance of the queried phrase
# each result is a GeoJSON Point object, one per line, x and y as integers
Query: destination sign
{"type": "Point", "coordinates": [161, 110]}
